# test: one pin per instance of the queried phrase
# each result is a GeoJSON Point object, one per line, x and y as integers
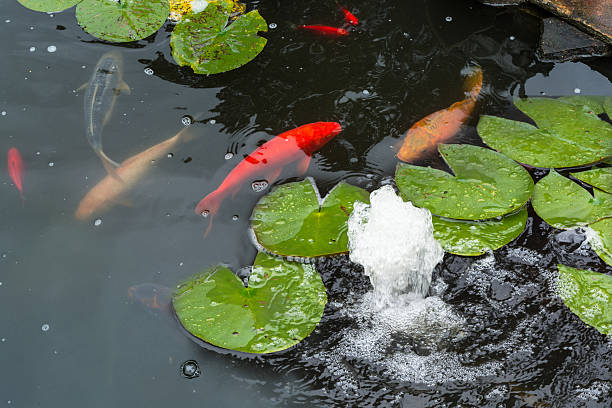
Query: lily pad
{"type": "Point", "coordinates": [594, 103]}
{"type": "Point", "coordinates": [600, 178]}
{"type": "Point", "coordinates": [565, 205]}
{"type": "Point", "coordinates": [291, 220]}
{"type": "Point", "coordinates": [486, 184]}
{"type": "Point", "coordinates": [600, 239]}
{"type": "Point", "coordinates": [121, 21]}
{"type": "Point", "coordinates": [283, 303]}
{"type": "Point", "coordinates": [567, 135]}
{"type": "Point", "coordinates": [472, 238]}
{"type": "Point", "coordinates": [205, 42]}
{"type": "Point", "coordinates": [588, 295]}
{"type": "Point", "coordinates": [48, 6]}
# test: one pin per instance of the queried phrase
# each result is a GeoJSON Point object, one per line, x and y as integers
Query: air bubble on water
{"type": "Point", "coordinates": [272, 26]}
{"type": "Point", "coordinates": [83, 66]}
{"type": "Point", "coordinates": [186, 120]}
{"type": "Point", "coordinates": [235, 217]}
{"type": "Point", "coordinates": [259, 185]}
{"type": "Point", "coordinates": [45, 327]}
{"type": "Point", "coordinates": [212, 121]}
{"type": "Point", "coordinates": [542, 93]}
{"type": "Point", "coordinates": [448, 19]}
{"type": "Point", "coordinates": [51, 164]}
{"type": "Point", "coordinates": [512, 38]}
{"type": "Point", "coordinates": [190, 369]}
{"type": "Point", "coordinates": [4, 255]}
{"type": "Point", "coordinates": [228, 155]}
{"type": "Point", "coordinates": [97, 222]}
{"type": "Point", "coordinates": [205, 213]}
{"type": "Point", "coordinates": [7, 21]}
{"type": "Point", "coordinates": [181, 263]}
{"type": "Point", "coordinates": [365, 92]}
{"type": "Point", "coordinates": [32, 49]}
{"type": "Point", "coordinates": [3, 113]}
{"type": "Point", "coordinates": [577, 90]}
{"type": "Point", "coordinates": [170, 155]}
{"type": "Point", "coordinates": [148, 71]}
{"type": "Point", "coordinates": [52, 48]}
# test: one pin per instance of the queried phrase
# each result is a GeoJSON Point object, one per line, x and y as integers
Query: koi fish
{"type": "Point", "coordinates": [105, 84]}
{"type": "Point", "coordinates": [348, 16]}
{"type": "Point", "coordinates": [440, 126]}
{"type": "Point", "coordinates": [108, 191]}
{"type": "Point", "coordinates": [15, 169]}
{"type": "Point", "coordinates": [267, 161]}
{"type": "Point", "coordinates": [324, 30]}
{"type": "Point", "coordinates": [150, 295]}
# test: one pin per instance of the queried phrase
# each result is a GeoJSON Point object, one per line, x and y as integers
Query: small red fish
{"type": "Point", "coordinates": [325, 30]}
{"type": "Point", "coordinates": [348, 16]}
{"type": "Point", "coordinates": [150, 295]}
{"type": "Point", "coordinates": [268, 160]}
{"type": "Point", "coordinates": [15, 169]}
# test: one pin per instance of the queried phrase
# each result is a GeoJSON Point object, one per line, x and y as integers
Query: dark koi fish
{"type": "Point", "coordinates": [15, 169]}
{"type": "Point", "coordinates": [324, 30]}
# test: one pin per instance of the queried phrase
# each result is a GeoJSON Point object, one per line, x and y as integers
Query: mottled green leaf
{"type": "Point", "coordinates": [594, 103]}
{"type": "Point", "coordinates": [283, 303]}
{"type": "Point", "coordinates": [564, 204]}
{"type": "Point", "coordinates": [128, 20]}
{"type": "Point", "coordinates": [48, 5]}
{"type": "Point", "coordinates": [290, 220]}
{"type": "Point", "coordinates": [205, 42]}
{"type": "Point", "coordinates": [600, 239]}
{"type": "Point", "coordinates": [486, 184]}
{"type": "Point", "coordinates": [567, 135]}
{"type": "Point", "coordinates": [588, 295]}
{"type": "Point", "coordinates": [600, 178]}
{"type": "Point", "coordinates": [472, 238]}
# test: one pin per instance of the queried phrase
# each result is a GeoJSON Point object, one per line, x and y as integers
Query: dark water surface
{"type": "Point", "coordinates": [520, 346]}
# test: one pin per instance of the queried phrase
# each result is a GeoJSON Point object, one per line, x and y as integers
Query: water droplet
{"type": "Point", "coordinates": [272, 26]}
{"type": "Point", "coordinates": [448, 19]}
{"type": "Point", "coordinates": [576, 90]}
{"type": "Point", "coordinates": [190, 369]}
{"type": "Point", "coordinates": [45, 327]}
{"type": "Point", "coordinates": [32, 49]}
{"type": "Point", "coordinates": [98, 222]}
{"type": "Point", "coordinates": [512, 38]}
{"type": "Point", "coordinates": [235, 217]}
{"type": "Point", "coordinates": [259, 185]}
{"type": "Point", "coordinates": [181, 264]}
{"type": "Point", "coordinates": [51, 164]}
{"type": "Point", "coordinates": [186, 120]}
{"type": "Point", "coordinates": [7, 21]}
{"type": "Point", "coordinates": [235, 333]}
{"type": "Point", "coordinates": [170, 155]}
{"type": "Point", "coordinates": [229, 155]}
{"type": "Point", "coordinates": [212, 121]}
{"type": "Point", "coordinates": [148, 71]}
{"type": "Point", "coordinates": [4, 255]}
{"type": "Point", "coordinates": [365, 92]}
{"type": "Point", "coordinates": [52, 48]}
{"type": "Point", "coordinates": [3, 113]}
{"type": "Point", "coordinates": [205, 213]}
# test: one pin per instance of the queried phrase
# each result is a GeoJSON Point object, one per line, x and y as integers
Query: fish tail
{"type": "Point", "coordinates": [109, 164]}
{"type": "Point", "coordinates": [208, 207]}
{"type": "Point", "coordinates": [473, 81]}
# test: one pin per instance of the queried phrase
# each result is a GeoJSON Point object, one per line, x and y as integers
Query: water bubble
{"type": "Point", "coordinates": [576, 90]}
{"type": "Point", "coordinates": [170, 155]}
{"type": "Point", "coordinates": [272, 26]}
{"type": "Point", "coordinates": [205, 213]}
{"type": "Point", "coordinates": [190, 369]}
{"type": "Point", "coordinates": [98, 222]}
{"type": "Point", "coordinates": [4, 255]}
{"type": "Point", "coordinates": [51, 164]}
{"type": "Point", "coordinates": [228, 155]}
{"type": "Point", "coordinates": [45, 327]}
{"type": "Point", "coordinates": [52, 48]}
{"type": "Point", "coordinates": [32, 49]}
{"type": "Point", "coordinates": [235, 217]}
{"type": "Point", "coordinates": [3, 113]}
{"type": "Point", "coordinates": [512, 38]}
{"type": "Point", "coordinates": [212, 121]}
{"type": "Point", "coordinates": [365, 92]}
{"type": "Point", "coordinates": [448, 19]}
{"type": "Point", "coordinates": [186, 120]}
{"type": "Point", "coordinates": [7, 21]}
{"type": "Point", "coordinates": [259, 185]}
{"type": "Point", "coordinates": [148, 71]}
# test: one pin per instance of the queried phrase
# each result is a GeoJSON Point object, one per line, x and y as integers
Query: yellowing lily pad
{"type": "Point", "coordinates": [48, 6]}
{"type": "Point", "coordinates": [291, 221]}
{"type": "Point", "coordinates": [486, 184]}
{"type": "Point", "coordinates": [567, 135]}
{"type": "Point", "coordinates": [588, 295]}
{"type": "Point", "coordinates": [283, 303]}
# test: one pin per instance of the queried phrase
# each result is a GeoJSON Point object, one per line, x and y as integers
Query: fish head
{"type": "Point", "coordinates": [314, 136]}
{"type": "Point", "coordinates": [110, 63]}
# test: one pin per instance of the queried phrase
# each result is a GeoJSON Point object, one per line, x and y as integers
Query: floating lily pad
{"type": "Point", "coordinates": [486, 184]}
{"type": "Point", "coordinates": [565, 205]}
{"type": "Point", "coordinates": [600, 178]}
{"type": "Point", "coordinates": [121, 21]}
{"type": "Point", "coordinates": [588, 295]}
{"type": "Point", "coordinates": [290, 221]}
{"type": "Point", "coordinates": [567, 135]}
{"type": "Point", "coordinates": [48, 6]}
{"type": "Point", "coordinates": [594, 103]}
{"type": "Point", "coordinates": [472, 238]}
{"type": "Point", "coordinates": [282, 304]}
{"type": "Point", "coordinates": [205, 42]}
{"type": "Point", "coordinates": [600, 239]}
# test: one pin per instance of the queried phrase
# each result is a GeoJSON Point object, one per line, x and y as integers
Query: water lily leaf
{"type": "Point", "coordinates": [121, 21]}
{"type": "Point", "coordinates": [486, 184]}
{"type": "Point", "coordinates": [565, 205]}
{"type": "Point", "coordinates": [205, 42]}
{"type": "Point", "coordinates": [600, 239]}
{"type": "Point", "coordinates": [594, 103]}
{"type": "Point", "coordinates": [588, 295]}
{"type": "Point", "coordinates": [283, 303]}
{"type": "Point", "coordinates": [291, 221]}
{"type": "Point", "coordinates": [472, 238]}
{"type": "Point", "coordinates": [48, 6]}
{"type": "Point", "coordinates": [600, 178]}
{"type": "Point", "coordinates": [567, 135]}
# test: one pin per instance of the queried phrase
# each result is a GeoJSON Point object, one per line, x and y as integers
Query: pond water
{"type": "Point", "coordinates": [494, 332]}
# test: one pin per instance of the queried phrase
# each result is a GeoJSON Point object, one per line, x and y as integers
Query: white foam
{"type": "Point", "coordinates": [394, 242]}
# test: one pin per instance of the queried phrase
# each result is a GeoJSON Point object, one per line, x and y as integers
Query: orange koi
{"type": "Point", "coordinates": [267, 161]}
{"type": "Point", "coordinates": [425, 135]}
{"type": "Point", "coordinates": [15, 169]}
{"type": "Point", "coordinates": [348, 16]}
{"type": "Point", "coordinates": [150, 295]}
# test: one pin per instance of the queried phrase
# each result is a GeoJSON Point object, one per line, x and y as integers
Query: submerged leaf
{"type": "Point", "coordinates": [289, 221]}
{"type": "Point", "coordinates": [600, 238]}
{"type": "Point", "coordinates": [588, 295]}
{"type": "Point", "coordinates": [283, 303]}
{"type": "Point", "coordinates": [487, 184]}
{"type": "Point", "coordinates": [48, 6]}
{"type": "Point", "coordinates": [127, 20]}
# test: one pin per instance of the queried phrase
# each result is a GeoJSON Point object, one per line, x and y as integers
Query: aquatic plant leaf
{"type": "Point", "coordinates": [48, 6]}
{"type": "Point", "coordinates": [283, 303]}
{"type": "Point", "coordinates": [600, 239]}
{"type": "Point", "coordinates": [205, 42]}
{"type": "Point", "coordinates": [472, 238]}
{"type": "Point", "coordinates": [565, 205]}
{"type": "Point", "coordinates": [588, 295]}
{"type": "Point", "coordinates": [486, 184]}
{"type": "Point", "coordinates": [600, 178]}
{"type": "Point", "coordinates": [567, 135]}
{"type": "Point", "coordinates": [290, 221]}
{"type": "Point", "coordinates": [128, 20]}
{"type": "Point", "coordinates": [593, 103]}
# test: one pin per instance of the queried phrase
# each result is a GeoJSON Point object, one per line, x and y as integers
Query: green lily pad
{"type": "Point", "coordinates": [567, 135]}
{"type": "Point", "coordinates": [600, 239]}
{"type": "Point", "coordinates": [600, 178]}
{"type": "Point", "coordinates": [565, 205]}
{"type": "Point", "coordinates": [121, 21]}
{"type": "Point", "coordinates": [588, 295]}
{"type": "Point", "coordinates": [283, 303]}
{"type": "Point", "coordinates": [594, 103]}
{"type": "Point", "coordinates": [472, 238]}
{"type": "Point", "coordinates": [205, 42]}
{"type": "Point", "coordinates": [486, 184]}
{"type": "Point", "coordinates": [48, 6]}
{"type": "Point", "coordinates": [290, 221]}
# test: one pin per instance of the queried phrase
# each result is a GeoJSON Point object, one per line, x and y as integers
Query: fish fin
{"type": "Point", "coordinates": [82, 87]}
{"type": "Point", "coordinates": [124, 87]}
{"type": "Point", "coordinates": [473, 81]}
{"type": "Point", "coordinates": [110, 165]}
{"type": "Point", "coordinates": [302, 165]}
{"type": "Point", "coordinates": [209, 205]}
